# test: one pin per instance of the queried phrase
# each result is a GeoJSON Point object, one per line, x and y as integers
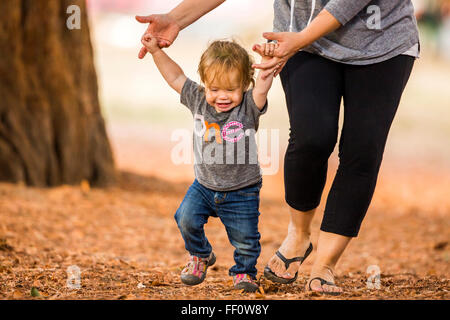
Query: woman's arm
{"type": "Point", "coordinates": [189, 11]}
{"type": "Point", "coordinates": [322, 25]}
{"type": "Point", "coordinates": [166, 27]}
{"type": "Point", "coordinates": [168, 68]}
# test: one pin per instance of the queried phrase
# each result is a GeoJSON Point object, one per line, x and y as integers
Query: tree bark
{"type": "Point", "coordinates": [51, 128]}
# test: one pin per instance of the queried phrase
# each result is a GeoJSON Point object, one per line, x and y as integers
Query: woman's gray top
{"type": "Point", "coordinates": [371, 31]}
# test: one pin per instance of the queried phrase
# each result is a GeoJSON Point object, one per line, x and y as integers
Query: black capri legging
{"type": "Point", "coordinates": [314, 87]}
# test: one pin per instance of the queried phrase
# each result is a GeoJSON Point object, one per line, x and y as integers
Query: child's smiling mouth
{"type": "Point", "coordinates": [223, 106]}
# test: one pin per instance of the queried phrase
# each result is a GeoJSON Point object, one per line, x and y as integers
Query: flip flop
{"type": "Point", "coordinates": [322, 282]}
{"type": "Point", "coordinates": [270, 275]}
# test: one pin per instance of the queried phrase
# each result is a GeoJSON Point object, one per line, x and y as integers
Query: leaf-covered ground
{"type": "Point", "coordinates": [126, 244]}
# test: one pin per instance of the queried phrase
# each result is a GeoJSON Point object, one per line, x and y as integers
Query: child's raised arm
{"type": "Point", "coordinates": [262, 86]}
{"type": "Point", "coordinates": [171, 71]}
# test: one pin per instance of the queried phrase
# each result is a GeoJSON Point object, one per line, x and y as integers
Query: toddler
{"type": "Point", "coordinates": [226, 111]}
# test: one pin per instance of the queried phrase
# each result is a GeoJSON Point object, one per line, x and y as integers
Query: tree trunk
{"type": "Point", "coordinates": [51, 128]}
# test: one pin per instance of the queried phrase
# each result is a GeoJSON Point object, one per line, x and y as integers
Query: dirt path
{"type": "Point", "coordinates": [127, 246]}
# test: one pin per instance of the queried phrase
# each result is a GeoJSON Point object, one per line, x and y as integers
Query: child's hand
{"type": "Point", "coordinates": [266, 50]}
{"type": "Point", "coordinates": [150, 43]}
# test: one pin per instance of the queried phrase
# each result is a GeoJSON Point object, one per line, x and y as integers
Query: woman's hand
{"type": "Point", "coordinates": [289, 43]}
{"type": "Point", "coordinates": [161, 26]}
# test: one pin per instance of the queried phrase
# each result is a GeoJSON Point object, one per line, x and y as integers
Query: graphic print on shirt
{"type": "Point", "coordinates": [212, 144]}
{"type": "Point", "coordinates": [230, 129]}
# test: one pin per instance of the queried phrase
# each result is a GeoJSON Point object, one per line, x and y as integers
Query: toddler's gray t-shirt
{"type": "Point", "coordinates": [225, 152]}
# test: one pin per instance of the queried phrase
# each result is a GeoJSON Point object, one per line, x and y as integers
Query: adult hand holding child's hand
{"type": "Point", "coordinates": [266, 50]}
{"type": "Point", "coordinates": [288, 43]}
{"type": "Point", "coordinates": [150, 43]}
{"type": "Point", "coordinates": [161, 26]}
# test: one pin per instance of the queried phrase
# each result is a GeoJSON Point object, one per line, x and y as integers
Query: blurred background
{"type": "Point", "coordinates": [141, 111]}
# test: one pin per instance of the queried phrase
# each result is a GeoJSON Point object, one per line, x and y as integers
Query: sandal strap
{"type": "Point", "coordinates": [322, 282]}
{"type": "Point", "coordinates": [287, 262]}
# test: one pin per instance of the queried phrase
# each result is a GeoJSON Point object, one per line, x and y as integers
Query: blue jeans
{"type": "Point", "coordinates": [239, 212]}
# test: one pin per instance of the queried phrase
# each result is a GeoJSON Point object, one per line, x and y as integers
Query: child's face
{"type": "Point", "coordinates": [225, 97]}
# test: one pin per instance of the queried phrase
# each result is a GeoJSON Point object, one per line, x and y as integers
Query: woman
{"type": "Point", "coordinates": [362, 51]}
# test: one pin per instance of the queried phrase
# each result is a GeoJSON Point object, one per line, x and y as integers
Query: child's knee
{"type": "Point", "coordinates": [186, 220]}
{"type": "Point", "coordinates": [181, 217]}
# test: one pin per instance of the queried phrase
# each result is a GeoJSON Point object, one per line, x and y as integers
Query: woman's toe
{"type": "Point", "coordinates": [315, 286]}
{"type": "Point", "coordinates": [274, 266]}
{"type": "Point", "coordinates": [293, 268]}
{"type": "Point", "coordinates": [277, 267]}
{"type": "Point", "coordinates": [328, 288]}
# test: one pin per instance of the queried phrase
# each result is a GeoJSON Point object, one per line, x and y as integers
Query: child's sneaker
{"type": "Point", "coordinates": [244, 281]}
{"type": "Point", "coordinates": [195, 271]}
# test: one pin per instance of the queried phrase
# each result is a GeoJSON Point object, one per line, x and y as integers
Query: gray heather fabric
{"type": "Point", "coordinates": [225, 151]}
{"type": "Point", "coordinates": [356, 41]}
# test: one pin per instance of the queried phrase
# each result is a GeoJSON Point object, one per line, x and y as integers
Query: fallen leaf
{"type": "Point", "coordinates": [124, 262]}
{"type": "Point", "coordinates": [259, 295]}
{"type": "Point", "coordinates": [126, 297]}
{"type": "Point", "coordinates": [440, 245]}
{"type": "Point", "coordinates": [167, 278]}
{"type": "Point", "coordinates": [37, 283]}
{"type": "Point", "coordinates": [261, 289]}
{"type": "Point", "coordinates": [156, 283]}
{"type": "Point", "coordinates": [35, 292]}
{"type": "Point", "coordinates": [17, 294]}
{"type": "Point", "coordinates": [4, 246]}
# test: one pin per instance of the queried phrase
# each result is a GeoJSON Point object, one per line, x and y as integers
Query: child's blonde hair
{"type": "Point", "coordinates": [221, 58]}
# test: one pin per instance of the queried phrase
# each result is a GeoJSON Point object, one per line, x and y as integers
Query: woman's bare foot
{"type": "Point", "coordinates": [295, 245]}
{"type": "Point", "coordinates": [325, 273]}
{"type": "Point", "coordinates": [330, 247]}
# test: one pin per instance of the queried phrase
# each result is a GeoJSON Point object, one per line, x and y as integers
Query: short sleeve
{"type": "Point", "coordinates": [191, 95]}
{"type": "Point", "coordinates": [250, 106]}
{"type": "Point", "coordinates": [345, 10]}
